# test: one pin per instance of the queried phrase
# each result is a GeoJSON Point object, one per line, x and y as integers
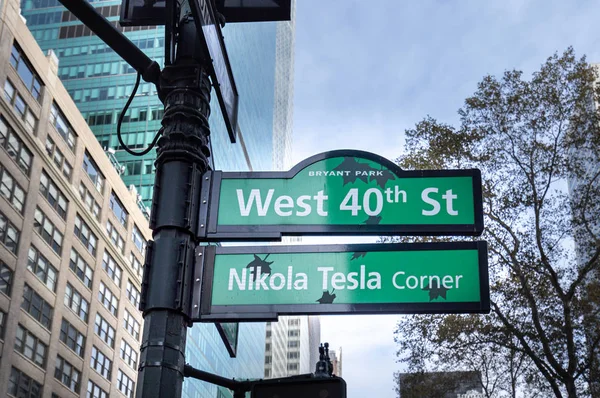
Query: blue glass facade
{"type": "Point", "coordinates": [100, 83]}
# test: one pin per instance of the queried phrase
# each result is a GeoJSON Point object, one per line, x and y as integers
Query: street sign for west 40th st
{"type": "Point", "coordinates": [259, 283]}
{"type": "Point", "coordinates": [340, 192]}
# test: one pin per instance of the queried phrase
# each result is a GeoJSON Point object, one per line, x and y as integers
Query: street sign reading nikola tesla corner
{"type": "Point", "coordinates": [250, 283]}
{"type": "Point", "coordinates": [341, 192]}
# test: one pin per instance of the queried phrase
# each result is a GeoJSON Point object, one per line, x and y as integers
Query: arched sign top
{"type": "Point", "coordinates": [342, 192]}
{"type": "Point", "coordinates": [347, 153]}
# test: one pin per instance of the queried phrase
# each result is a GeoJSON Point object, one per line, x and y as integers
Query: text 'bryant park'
{"type": "Point", "coordinates": [299, 199]}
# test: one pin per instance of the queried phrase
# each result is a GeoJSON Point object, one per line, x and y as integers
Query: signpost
{"type": "Point", "coordinates": [220, 68]}
{"type": "Point", "coordinates": [341, 193]}
{"type": "Point", "coordinates": [259, 283]}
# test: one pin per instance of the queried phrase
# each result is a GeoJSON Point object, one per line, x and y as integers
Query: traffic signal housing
{"type": "Point", "coordinates": [300, 387]}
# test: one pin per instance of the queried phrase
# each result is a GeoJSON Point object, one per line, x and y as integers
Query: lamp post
{"type": "Point", "coordinates": [183, 153]}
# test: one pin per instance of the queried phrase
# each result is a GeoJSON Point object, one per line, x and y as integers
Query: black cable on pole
{"type": "Point", "coordinates": [125, 147]}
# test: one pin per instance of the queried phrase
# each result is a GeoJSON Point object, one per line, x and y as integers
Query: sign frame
{"type": "Point", "coordinates": [231, 346]}
{"type": "Point", "coordinates": [210, 230]}
{"type": "Point", "coordinates": [220, 67]}
{"type": "Point", "coordinates": [204, 311]}
{"type": "Point", "coordinates": [136, 13]}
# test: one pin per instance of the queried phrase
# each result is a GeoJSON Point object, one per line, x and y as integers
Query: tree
{"type": "Point", "coordinates": [537, 144]}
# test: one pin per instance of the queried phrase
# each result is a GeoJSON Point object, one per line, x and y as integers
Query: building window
{"type": "Point", "coordinates": [6, 278]}
{"type": "Point", "coordinates": [67, 374]}
{"type": "Point", "coordinates": [125, 384]}
{"type": "Point", "coordinates": [116, 239]}
{"type": "Point", "coordinates": [93, 391]}
{"type": "Point", "coordinates": [3, 317]}
{"type": "Point", "coordinates": [76, 302]}
{"type": "Point", "coordinates": [9, 91]}
{"type": "Point", "coordinates": [293, 344]}
{"type": "Point", "coordinates": [89, 200]}
{"type": "Point", "coordinates": [62, 126]}
{"type": "Point", "coordinates": [132, 326]}
{"type": "Point", "coordinates": [101, 363]}
{"type": "Point", "coordinates": [104, 330]}
{"type": "Point", "coordinates": [21, 385]}
{"type": "Point", "coordinates": [293, 333]}
{"type": "Point", "coordinates": [30, 346]}
{"type": "Point", "coordinates": [85, 235]}
{"type": "Point", "coordinates": [21, 64]}
{"type": "Point", "coordinates": [133, 294]}
{"type": "Point", "coordinates": [268, 359]}
{"type": "Point", "coordinates": [293, 355]}
{"type": "Point", "coordinates": [11, 190]}
{"type": "Point", "coordinates": [48, 231]}
{"type": "Point", "coordinates": [72, 338]}
{"type": "Point", "coordinates": [92, 170]}
{"type": "Point", "coordinates": [118, 209]}
{"type": "Point", "coordinates": [20, 106]}
{"type": "Point", "coordinates": [41, 267]}
{"type": "Point", "coordinates": [129, 355]}
{"type": "Point", "coordinates": [138, 239]}
{"type": "Point", "coordinates": [293, 322]}
{"type": "Point", "coordinates": [14, 146]}
{"type": "Point", "coordinates": [292, 366]}
{"type": "Point", "coordinates": [136, 264]}
{"type": "Point", "coordinates": [37, 307]}
{"type": "Point", "coordinates": [108, 299]}
{"type": "Point", "coordinates": [53, 195]}
{"type": "Point", "coordinates": [268, 347]}
{"type": "Point", "coordinates": [83, 271]}
{"type": "Point", "coordinates": [9, 234]}
{"type": "Point", "coordinates": [111, 268]}
{"type": "Point", "coordinates": [59, 159]}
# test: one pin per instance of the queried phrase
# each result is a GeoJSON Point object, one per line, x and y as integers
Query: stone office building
{"type": "Point", "coordinates": [72, 238]}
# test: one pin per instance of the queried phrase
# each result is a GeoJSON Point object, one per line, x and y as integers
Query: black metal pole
{"type": "Point", "coordinates": [182, 158]}
{"type": "Point", "coordinates": [135, 57]}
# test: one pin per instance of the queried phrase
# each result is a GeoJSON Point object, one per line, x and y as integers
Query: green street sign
{"type": "Point", "coordinates": [340, 193]}
{"type": "Point", "coordinates": [259, 283]}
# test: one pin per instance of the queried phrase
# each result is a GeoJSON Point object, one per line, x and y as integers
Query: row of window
{"type": "Point", "coordinates": [88, 199]}
{"type": "Point", "coordinates": [84, 272]}
{"type": "Point", "coordinates": [80, 30]}
{"type": "Point", "coordinates": [26, 72]}
{"type": "Point", "coordinates": [6, 279]}
{"type": "Point", "coordinates": [14, 146]}
{"type": "Point", "coordinates": [139, 114]}
{"type": "Point", "coordinates": [112, 269]}
{"type": "Point", "coordinates": [115, 92]}
{"type": "Point", "coordinates": [59, 159]}
{"type": "Point", "coordinates": [71, 51]}
{"type": "Point", "coordinates": [44, 18]}
{"type": "Point", "coordinates": [115, 237]}
{"type": "Point", "coordinates": [53, 195]}
{"type": "Point", "coordinates": [41, 267]}
{"type": "Point", "coordinates": [21, 385]}
{"type": "Point", "coordinates": [20, 106]}
{"type": "Point", "coordinates": [11, 190]}
{"type": "Point", "coordinates": [62, 126]}
{"type": "Point", "coordinates": [48, 231]}
{"type": "Point", "coordinates": [85, 235]}
{"type": "Point", "coordinates": [9, 234]}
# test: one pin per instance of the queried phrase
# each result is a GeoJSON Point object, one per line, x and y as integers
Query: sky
{"type": "Point", "coordinates": [365, 71]}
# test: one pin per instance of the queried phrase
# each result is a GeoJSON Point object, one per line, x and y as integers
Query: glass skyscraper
{"type": "Point", "coordinates": [100, 82]}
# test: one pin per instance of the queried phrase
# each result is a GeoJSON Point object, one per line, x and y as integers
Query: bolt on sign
{"type": "Point", "coordinates": [341, 192]}
{"type": "Point", "coordinates": [259, 283]}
